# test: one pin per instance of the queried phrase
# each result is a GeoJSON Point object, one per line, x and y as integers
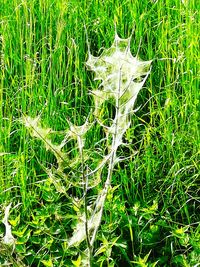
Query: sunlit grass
{"type": "Point", "coordinates": [43, 72]}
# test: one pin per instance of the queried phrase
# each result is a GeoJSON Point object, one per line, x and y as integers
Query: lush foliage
{"type": "Point", "coordinates": [151, 214]}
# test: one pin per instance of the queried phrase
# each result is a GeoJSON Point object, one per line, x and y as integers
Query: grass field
{"type": "Point", "coordinates": [152, 213]}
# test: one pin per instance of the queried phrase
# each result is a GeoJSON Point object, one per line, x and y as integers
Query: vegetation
{"type": "Point", "coordinates": [151, 213]}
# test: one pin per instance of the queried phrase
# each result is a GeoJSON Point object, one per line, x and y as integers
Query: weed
{"type": "Point", "coordinates": [122, 77]}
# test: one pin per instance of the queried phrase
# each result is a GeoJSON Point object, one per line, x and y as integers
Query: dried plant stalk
{"type": "Point", "coordinates": [122, 76]}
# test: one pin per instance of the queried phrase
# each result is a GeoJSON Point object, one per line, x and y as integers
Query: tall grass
{"type": "Point", "coordinates": [153, 205]}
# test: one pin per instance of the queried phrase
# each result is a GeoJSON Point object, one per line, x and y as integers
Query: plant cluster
{"type": "Point", "coordinates": [122, 76]}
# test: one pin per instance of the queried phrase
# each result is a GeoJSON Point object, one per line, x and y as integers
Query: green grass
{"type": "Point", "coordinates": [156, 206]}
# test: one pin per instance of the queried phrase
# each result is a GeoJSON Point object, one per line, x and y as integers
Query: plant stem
{"type": "Point", "coordinates": [84, 178]}
{"type": "Point", "coordinates": [102, 197]}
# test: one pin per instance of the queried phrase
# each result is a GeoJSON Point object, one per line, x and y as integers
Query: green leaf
{"type": "Point", "coordinates": [180, 231]}
{"type": "Point", "coordinates": [47, 263]}
{"type": "Point", "coordinates": [15, 221]}
{"type": "Point", "coordinates": [20, 232]}
{"type": "Point", "coordinates": [180, 260]}
{"type": "Point", "coordinates": [77, 263]}
{"type": "Point", "coordinates": [142, 262]}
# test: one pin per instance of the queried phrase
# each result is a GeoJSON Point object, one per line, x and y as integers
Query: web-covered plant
{"type": "Point", "coordinates": [122, 76]}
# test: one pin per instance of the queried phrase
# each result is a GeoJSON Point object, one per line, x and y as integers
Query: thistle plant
{"type": "Point", "coordinates": [121, 77]}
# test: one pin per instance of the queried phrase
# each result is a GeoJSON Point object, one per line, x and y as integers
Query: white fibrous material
{"type": "Point", "coordinates": [8, 238]}
{"type": "Point", "coordinates": [122, 77]}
